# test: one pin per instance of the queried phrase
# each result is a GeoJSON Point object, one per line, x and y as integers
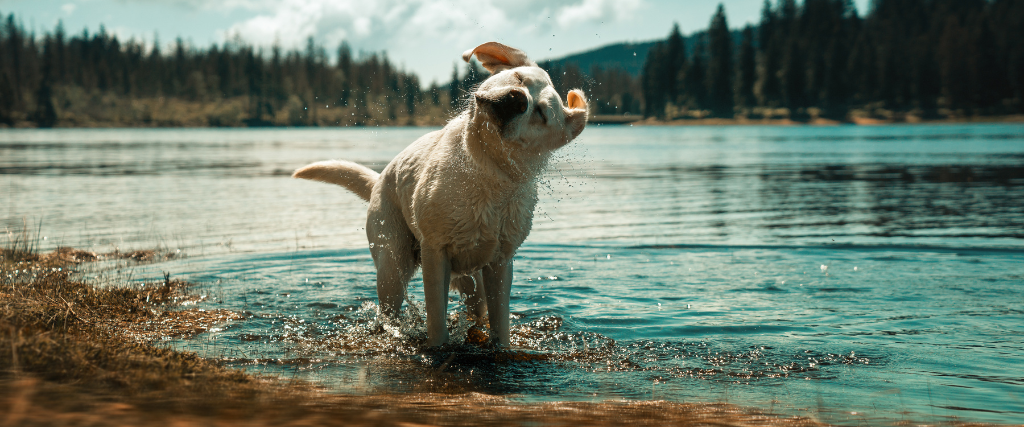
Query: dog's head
{"type": "Point", "coordinates": [519, 104]}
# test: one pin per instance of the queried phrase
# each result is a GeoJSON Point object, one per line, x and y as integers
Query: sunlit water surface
{"type": "Point", "coordinates": [853, 274]}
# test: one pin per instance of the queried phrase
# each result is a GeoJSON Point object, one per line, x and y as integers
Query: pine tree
{"type": "Point", "coordinates": [746, 71]}
{"type": "Point", "coordinates": [411, 90]}
{"type": "Point", "coordinates": [675, 62]}
{"type": "Point", "coordinates": [769, 54]}
{"type": "Point", "coordinates": [345, 66]}
{"type": "Point", "coordinates": [45, 114]}
{"type": "Point", "coordinates": [661, 84]}
{"type": "Point", "coordinates": [454, 89]}
{"type": "Point", "coordinates": [720, 71]}
{"type": "Point", "coordinates": [12, 56]}
{"type": "Point", "coordinates": [695, 77]}
{"type": "Point", "coordinates": [650, 81]}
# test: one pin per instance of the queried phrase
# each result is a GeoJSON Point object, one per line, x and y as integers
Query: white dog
{"type": "Point", "coordinates": [459, 201]}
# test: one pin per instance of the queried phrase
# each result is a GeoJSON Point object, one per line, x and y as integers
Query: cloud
{"type": "Point", "coordinates": [207, 5]}
{"type": "Point", "coordinates": [391, 24]}
{"type": "Point", "coordinates": [428, 35]}
{"type": "Point", "coordinates": [596, 10]}
{"type": "Point", "coordinates": [68, 8]}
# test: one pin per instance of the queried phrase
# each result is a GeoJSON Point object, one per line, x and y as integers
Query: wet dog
{"type": "Point", "coordinates": [459, 201]}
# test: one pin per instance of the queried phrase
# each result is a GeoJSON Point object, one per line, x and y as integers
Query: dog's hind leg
{"type": "Point", "coordinates": [497, 286]}
{"type": "Point", "coordinates": [472, 289]}
{"type": "Point", "coordinates": [392, 246]}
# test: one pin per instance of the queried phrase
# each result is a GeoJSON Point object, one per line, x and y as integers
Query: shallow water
{"type": "Point", "coordinates": [848, 273]}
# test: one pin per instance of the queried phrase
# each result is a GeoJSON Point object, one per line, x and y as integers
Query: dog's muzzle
{"type": "Point", "coordinates": [506, 107]}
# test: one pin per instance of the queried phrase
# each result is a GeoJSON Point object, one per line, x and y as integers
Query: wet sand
{"type": "Point", "coordinates": [30, 401]}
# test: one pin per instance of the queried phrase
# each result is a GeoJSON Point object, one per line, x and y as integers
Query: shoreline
{"type": "Point", "coordinates": [433, 122]}
{"type": "Point", "coordinates": [76, 353]}
{"type": "Point", "coordinates": [856, 121]}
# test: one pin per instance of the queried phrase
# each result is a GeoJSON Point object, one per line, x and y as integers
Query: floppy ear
{"type": "Point", "coordinates": [497, 57]}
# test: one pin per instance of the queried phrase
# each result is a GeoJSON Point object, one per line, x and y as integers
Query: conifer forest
{"type": "Point", "coordinates": [900, 59]}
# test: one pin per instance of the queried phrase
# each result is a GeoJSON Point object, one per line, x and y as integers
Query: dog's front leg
{"type": "Point", "coordinates": [497, 287]}
{"type": "Point", "coordinates": [437, 270]}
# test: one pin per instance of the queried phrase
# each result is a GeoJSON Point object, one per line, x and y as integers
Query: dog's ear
{"type": "Point", "coordinates": [576, 113]}
{"type": "Point", "coordinates": [576, 100]}
{"type": "Point", "coordinates": [496, 57]}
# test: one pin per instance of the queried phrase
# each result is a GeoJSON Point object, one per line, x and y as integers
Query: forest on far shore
{"type": "Point", "coordinates": [903, 59]}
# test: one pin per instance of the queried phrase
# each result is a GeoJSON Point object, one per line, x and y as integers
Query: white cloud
{"type": "Point", "coordinates": [595, 11]}
{"type": "Point", "coordinates": [219, 5]}
{"type": "Point", "coordinates": [390, 24]}
{"type": "Point", "coordinates": [430, 35]}
{"type": "Point", "coordinates": [68, 8]}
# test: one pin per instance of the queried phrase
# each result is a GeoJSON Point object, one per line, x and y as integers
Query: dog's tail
{"type": "Point", "coordinates": [357, 178]}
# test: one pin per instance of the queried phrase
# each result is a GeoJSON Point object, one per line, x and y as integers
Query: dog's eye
{"type": "Point", "coordinates": [540, 113]}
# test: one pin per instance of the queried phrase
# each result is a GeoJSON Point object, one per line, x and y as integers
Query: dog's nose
{"type": "Point", "coordinates": [509, 105]}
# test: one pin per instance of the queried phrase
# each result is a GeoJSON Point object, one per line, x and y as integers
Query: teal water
{"type": "Point", "coordinates": [853, 274]}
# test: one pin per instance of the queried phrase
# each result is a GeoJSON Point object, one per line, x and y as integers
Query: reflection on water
{"type": "Point", "coordinates": [819, 271]}
{"type": "Point", "coordinates": [226, 189]}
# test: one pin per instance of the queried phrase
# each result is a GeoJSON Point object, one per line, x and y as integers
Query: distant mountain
{"type": "Point", "coordinates": [629, 56]}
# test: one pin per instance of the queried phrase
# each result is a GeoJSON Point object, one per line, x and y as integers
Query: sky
{"type": "Point", "coordinates": [423, 36]}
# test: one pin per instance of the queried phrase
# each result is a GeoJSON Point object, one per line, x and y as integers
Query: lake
{"type": "Point", "coordinates": [852, 274]}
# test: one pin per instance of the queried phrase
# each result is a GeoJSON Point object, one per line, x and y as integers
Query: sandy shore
{"type": "Point", "coordinates": [436, 120]}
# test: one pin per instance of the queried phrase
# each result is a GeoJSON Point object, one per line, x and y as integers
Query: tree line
{"type": "Point", "coordinates": [96, 79]}
{"type": "Point", "coordinates": [927, 58]}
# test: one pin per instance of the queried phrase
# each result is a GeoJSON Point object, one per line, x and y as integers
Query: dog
{"type": "Point", "coordinates": [459, 201]}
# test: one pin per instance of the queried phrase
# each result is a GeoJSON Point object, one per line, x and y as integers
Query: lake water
{"type": "Point", "coordinates": [852, 274]}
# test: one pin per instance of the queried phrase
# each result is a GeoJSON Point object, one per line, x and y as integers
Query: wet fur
{"type": "Point", "coordinates": [459, 201]}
